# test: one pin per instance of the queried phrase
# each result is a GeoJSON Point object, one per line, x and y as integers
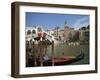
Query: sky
{"type": "Point", "coordinates": [49, 21]}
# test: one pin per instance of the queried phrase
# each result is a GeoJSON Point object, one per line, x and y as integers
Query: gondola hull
{"type": "Point", "coordinates": [63, 60]}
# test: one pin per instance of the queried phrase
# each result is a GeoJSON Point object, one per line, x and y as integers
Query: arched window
{"type": "Point", "coordinates": [28, 32]}
{"type": "Point", "coordinates": [39, 29]}
{"type": "Point", "coordinates": [33, 32]}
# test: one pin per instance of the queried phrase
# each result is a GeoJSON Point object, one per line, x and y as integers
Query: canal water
{"type": "Point", "coordinates": [71, 50]}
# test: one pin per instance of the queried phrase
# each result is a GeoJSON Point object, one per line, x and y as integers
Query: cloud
{"type": "Point", "coordinates": [81, 22]}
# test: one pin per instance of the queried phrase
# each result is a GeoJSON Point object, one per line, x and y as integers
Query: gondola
{"type": "Point", "coordinates": [58, 61]}
{"type": "Point", "coordinates": [64, 60]}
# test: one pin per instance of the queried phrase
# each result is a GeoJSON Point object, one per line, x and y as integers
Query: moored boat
{"type": "Point", "coordinates": [63, 60]}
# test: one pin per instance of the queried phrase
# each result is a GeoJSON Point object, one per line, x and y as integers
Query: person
{"type": "Point", "coordinates": [45, 57]}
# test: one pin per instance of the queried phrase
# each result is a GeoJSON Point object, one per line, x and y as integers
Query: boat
{"type": "Point", "coordinates": [58, 61]}
{"type": "Point", "coordinates": [64, 60]}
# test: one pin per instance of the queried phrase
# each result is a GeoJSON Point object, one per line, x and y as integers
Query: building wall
{"type": "Point", "coordinates": [84, 35]}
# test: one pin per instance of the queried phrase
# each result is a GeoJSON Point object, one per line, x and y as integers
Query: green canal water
{"type": "Point", "coordinates": [71, 50]}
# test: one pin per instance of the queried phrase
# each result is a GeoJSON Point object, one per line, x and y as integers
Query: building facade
{"type": "Point", "coordinates": [67, 34]}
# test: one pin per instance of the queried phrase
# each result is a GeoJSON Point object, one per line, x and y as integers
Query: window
{"type": "Point", "coordinates": [28, 32]}
{"type": "Point", "coordinates": [39, 29]}
{"type": "Point", "coordinates": [33, 32]}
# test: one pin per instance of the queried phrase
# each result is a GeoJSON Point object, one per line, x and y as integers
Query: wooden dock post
{"type": "Point", "coordinates": [41, 60]}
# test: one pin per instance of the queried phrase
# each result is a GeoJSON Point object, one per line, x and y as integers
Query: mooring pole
{"type": "Point", "coordinates": [41, 60]}
{"type": "Point", "coordinates": [52, 53]}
